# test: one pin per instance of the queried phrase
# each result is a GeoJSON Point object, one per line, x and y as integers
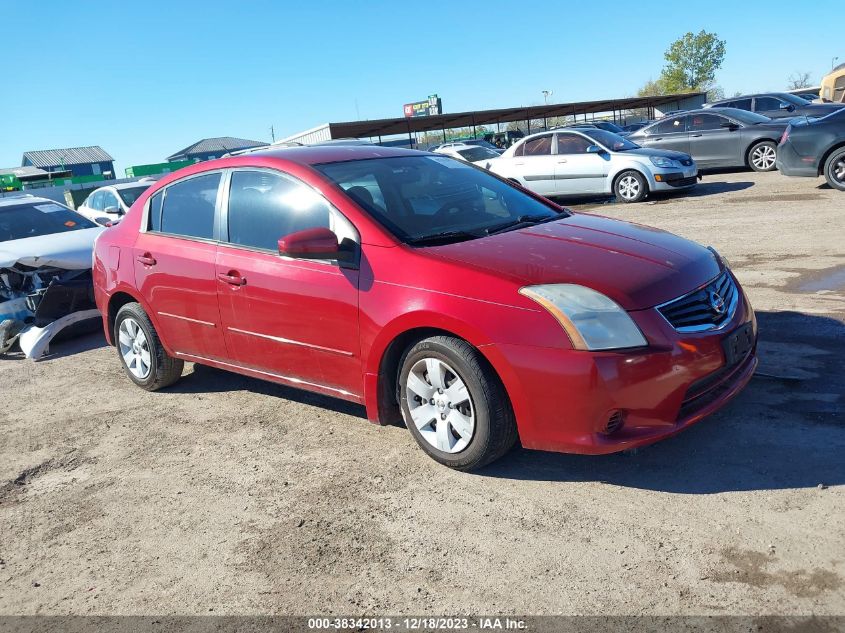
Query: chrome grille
{"type": "Point", "coordinates": [707, 308]}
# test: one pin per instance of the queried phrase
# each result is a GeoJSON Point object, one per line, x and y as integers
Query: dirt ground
{"type": "Point", "coordinates": [229, 495]}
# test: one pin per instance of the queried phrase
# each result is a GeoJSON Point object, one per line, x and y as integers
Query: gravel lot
{"type": "Point", "coordinates": [231, 495]}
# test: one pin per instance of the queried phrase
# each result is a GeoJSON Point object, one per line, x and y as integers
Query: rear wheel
{"type": "Point", "coordinates": [141, 353]}
{"type": "Point", "coordinates": [762, 156]}
{"type": "Point", "coordinates": [834, 169]}
{"type": "Point", "coordinates": [630, 186]}
{"type": "Point", "coordinates": [454, 404]}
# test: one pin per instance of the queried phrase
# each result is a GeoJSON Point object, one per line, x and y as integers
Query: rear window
{"type": "Point", "coordinates": [39, 218]}
{"type": "Point", "coordinates": [188, 207]}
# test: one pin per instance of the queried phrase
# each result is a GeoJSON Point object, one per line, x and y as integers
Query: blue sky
{"type": "Point", "coordinates": [144, 79]}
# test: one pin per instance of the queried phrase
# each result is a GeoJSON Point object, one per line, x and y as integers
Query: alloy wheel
{"type": "Point", "coordinates": [837, 170]}
{"type": "Point", "coordinates": [134, 348]}
{"type": "Point", "coordinates": [440, 405]}
{"type": "Point", "coordinates": [763, 157]}
{"type": "Point", "coordinates": [628, 187]}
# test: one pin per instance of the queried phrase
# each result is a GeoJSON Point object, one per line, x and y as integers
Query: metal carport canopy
{"type": "Point", "coordinates": [405, 125]}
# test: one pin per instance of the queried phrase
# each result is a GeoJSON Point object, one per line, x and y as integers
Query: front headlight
{"type": "Point", "coordinates": [662, 161]}
{"type": "Point", "coordinates": [592, 320]}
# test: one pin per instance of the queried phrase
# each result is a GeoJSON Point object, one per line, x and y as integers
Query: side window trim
{"type": "Point", "coordinates": [145, 219]}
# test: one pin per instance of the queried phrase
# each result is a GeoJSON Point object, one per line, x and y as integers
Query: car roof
{"type": "Point", "coordinates": [319, 154]}
{"type": "Point", "coordinates": [756, 94]}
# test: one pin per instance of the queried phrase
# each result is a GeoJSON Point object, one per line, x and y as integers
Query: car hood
{"type": "Point", "coordinates": [71, 250]}
{"type": "Point", "coordinates": [648, 151]}
{"type": "Point", "coordinates": [636, 266]}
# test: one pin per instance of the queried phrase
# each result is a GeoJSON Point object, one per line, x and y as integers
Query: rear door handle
{"type": "Point", "coordinates": [695, 135]}
{"type": "Point", "coordinates": [232, 278]}
{"type": "Point", "coordinates": [147, 260]}
{"type": "Point", "coordinates": [562, 160]}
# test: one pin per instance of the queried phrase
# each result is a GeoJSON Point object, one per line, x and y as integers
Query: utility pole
{"type": "Point", "coordinates": [546, 95]}
{"type": "Point", "coordinates": [833, 62]}
{"type": "Point", "coordinates": [272, 134]}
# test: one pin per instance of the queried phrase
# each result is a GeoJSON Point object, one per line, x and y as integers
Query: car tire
{"type": "Point", "coordinates": [762, 156]}
{"type": "Point", "coordinates": [834, 169]}
{"type": "Point", "coordinates": [467, 421]}
{"type": "Point", "coordinates": [141, 353]}
{"type": "Point", "coordinates": [630, 186]}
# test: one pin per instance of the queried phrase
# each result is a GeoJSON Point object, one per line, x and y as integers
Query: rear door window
{"type": "Point", "coordinates": [188, 207]}
{"type": "Point", "coordinates": [540, 146]}
{"type": "Point", "coordinates": [669, 126]}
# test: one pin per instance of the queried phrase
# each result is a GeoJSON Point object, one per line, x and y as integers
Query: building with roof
{"type": "Point", "coordinates": [79, 161]}
{"type": "Point", "coordinates": [211, 148]}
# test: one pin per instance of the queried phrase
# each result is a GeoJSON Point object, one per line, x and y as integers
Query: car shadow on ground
{"type": "Point", "coordinates": [708, 187]}
{"type": "Point", "coordinates": [786, 430]}
{"type": "Point", "coordinates": [205, 379]}
{"type": "Point", "coordinates": [703, 188]}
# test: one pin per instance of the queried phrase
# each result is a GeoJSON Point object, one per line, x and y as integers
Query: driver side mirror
{"type": "Point", "coordinates": [113, 210]}
{"type": "Point", "coordinates": [788, 107]}
{"type": "Point", "coordinates": [316, 243]}
{"type": "Point", "coordinates": [730, 125]}
{"type": "Point", "coordinates": [594, 149]}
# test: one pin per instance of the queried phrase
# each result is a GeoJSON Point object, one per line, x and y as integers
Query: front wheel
{"type": "Point", "coordinates": [762, 156]}
{"type": "Point", "coordinates": [454, 404]}
{"type": "Point", "coordinates": [630, 186]}
{"type": "Point", "coordinates": [834, 169]}
{"type": "Point", "coordinates": [141, 353]}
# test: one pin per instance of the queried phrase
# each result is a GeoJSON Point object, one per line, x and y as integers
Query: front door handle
{"type": "Point", "coordinates": [232, 278]}
{"type": "Point", "coordinates": [562, 160]}
{"type": "Point", "coordinates": [695, 135]}
{"type": "Point", "coordinates": [147, 260]}
{"type": "Point", "coordinates": [659, 138]}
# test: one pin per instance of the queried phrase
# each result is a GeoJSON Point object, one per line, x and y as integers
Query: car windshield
{"type": "Point", "coordinates": [473, 154]}
{"type": "Point", "coordinates": [793, 99]}
{"type": "Point", "coordinates": [429, 199]}
{"type": "Point", "coordinates": [130, 194]}
{"type": "Point", "coordinates": [39, 218]}
{"type": "Point", "coordinates": [611, 141]}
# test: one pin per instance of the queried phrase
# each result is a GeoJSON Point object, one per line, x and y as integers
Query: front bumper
{"type": "Point", "coordinates": [674, 180]}
{"type": "Point", "coordinates": [564, 399]}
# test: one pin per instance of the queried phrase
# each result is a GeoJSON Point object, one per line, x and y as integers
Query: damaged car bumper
{"type": "Point", "coordinates": [44, 293]}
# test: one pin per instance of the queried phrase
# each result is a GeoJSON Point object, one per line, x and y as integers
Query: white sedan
{"type": "Point", "coordinates": [108, 205]}
{"type": "Point", "coordinates": [586, 161]}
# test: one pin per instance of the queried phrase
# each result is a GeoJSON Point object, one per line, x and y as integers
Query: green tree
{"type": "Point", "coordinates": [692, 61]}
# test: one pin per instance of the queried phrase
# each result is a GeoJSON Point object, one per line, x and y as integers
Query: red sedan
{"type": "Point", "coordinates": [426, 288]}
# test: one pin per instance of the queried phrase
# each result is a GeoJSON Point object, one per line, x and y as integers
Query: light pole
{"type": "Point", "coordinates": [549, 93]}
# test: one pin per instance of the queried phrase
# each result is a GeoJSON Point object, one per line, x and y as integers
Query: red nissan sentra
{"type": "Point", "coordinates": [426, 289]}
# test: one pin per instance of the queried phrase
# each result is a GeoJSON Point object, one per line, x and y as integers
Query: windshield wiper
{"type": "Point", "coordinates": [444, 237]}
{"type": "Point", "coordinates": [523, 220]}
